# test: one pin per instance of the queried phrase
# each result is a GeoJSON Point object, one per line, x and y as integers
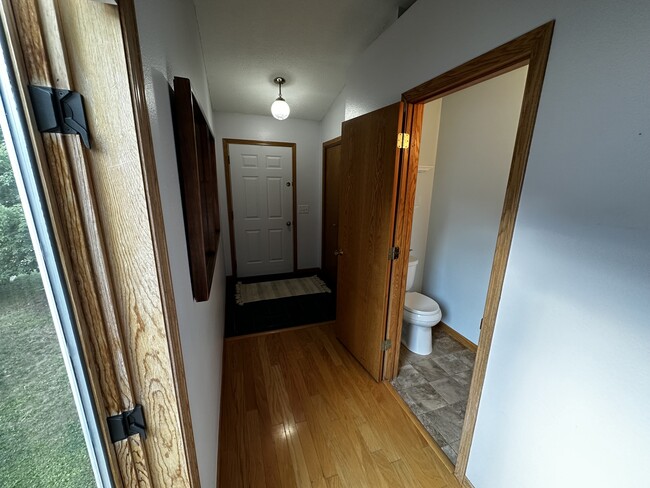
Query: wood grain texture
{"type": "Point", "coordinates": [294, 193]}
{"type": "Point", "coordinates": [197, 168]}
{"type": "Point", "coordinates": [68, 195]}
{"type": "Point", "coordinates": [367, 206]}
{"type": "Point", "coordinates": [402, 237]}
{"type": "Point", "coordinates": [93, 31]}
{"type": "Point", "coordinates": [330, 217]}
{"type": "Point", "coordinates": [152, 193]}
{"type": "Point", "coordinates": [442, 457]}
{"type": "Point", "coordinates": [299, 411]}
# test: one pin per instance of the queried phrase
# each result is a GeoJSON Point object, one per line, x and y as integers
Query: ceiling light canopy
{"type": "Point", "coordinates": [280, 109]}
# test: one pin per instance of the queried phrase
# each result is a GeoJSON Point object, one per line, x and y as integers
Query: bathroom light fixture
{"type": "Point", "coordinates": [280, 109]}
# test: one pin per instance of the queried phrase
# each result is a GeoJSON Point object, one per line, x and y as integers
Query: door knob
{"type": "Point", "coordinates": [288, 223]}
{"type": "Point", "coordinates": [338, 252]}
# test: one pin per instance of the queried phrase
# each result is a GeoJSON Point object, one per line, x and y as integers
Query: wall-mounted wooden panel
{"type": "Point", "coordinates": [197, 165]}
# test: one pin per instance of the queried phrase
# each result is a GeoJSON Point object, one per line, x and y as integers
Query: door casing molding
{"type": "Point", "coordinates": [231, 223]}
{"type": "Point", "coordinates": [530, 49]}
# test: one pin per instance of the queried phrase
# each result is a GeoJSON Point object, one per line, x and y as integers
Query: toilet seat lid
{"type": "Point", "coordinates": [420, 304]}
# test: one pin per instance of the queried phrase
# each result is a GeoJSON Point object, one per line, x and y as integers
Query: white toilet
{"type": "Point", "coordinates": [421, 313]}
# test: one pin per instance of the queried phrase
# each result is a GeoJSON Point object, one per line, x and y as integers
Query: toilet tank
{"type": "Point", "coordinates": [410, 275]}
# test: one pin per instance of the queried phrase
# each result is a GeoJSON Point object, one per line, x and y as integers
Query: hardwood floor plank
{"type": "Point", "coordinates": [298, 461]}
{"type": "Point", "coordinates": [321, 435]}
{"type": "Point", "coordinates": [269, 458]}
{"type": "Point", "coordinates": [293, 378]}
{"type": "Point", "coordinates": [287, 476]}
{"type": "Point", "coordinates": [406, 475]}
{"type": "Point", "coordinates": [311, 456]}
{"type": "Point", "coordinates": [298, 411]}
{"type": "Point", "coordinates": [386, 469]}
{"type": "Point", "coordinates": [275, 396]}
{"type": "Point", "coordinates": [250, 401]}
{"type": "Point", "coordinates": [254, 458]}
{"type": "Point", "coordinates": [334, 482]}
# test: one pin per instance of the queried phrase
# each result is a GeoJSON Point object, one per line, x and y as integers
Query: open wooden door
{"type": "Point", "coordinates": [370, 160]}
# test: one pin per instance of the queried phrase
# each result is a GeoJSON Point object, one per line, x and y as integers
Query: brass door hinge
{"type": "Point", "coordinates": [386, 345]}
{"type": "Point", "coordinates": [403, 140]}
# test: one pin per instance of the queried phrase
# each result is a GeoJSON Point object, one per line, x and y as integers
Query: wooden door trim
{"type": "Point", "coordinates": [402, 237]}
{"type": "Point", "coordinates": [530, 49]}
{"type": "Point", "coordinates": [294, 193]}
{"type": "Point", "coordinates": [326, 145]}
{"type": "Point", "coordinates": [131, 40]}
{"type": "Point", "coordinates": [332, 142]}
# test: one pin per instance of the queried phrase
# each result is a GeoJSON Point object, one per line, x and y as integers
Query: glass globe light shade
{"type": "Point", "coordinates": [280, 109]}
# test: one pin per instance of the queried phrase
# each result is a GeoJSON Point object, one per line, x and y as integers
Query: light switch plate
{"type": "Point", "coordinates": [303, 209]}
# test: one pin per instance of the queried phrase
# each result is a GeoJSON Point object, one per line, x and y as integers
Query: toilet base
{"type": "Point", "coordinates": [417, 339]}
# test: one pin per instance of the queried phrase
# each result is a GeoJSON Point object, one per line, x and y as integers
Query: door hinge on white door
{"type": "Point", "coordinates": [393, 253]}
{"type": "Point", "coordinates": [386, 345]}
{"type": "Point", "coordinates": [403, 140]}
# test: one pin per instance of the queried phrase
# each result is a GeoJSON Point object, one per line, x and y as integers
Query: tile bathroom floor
{"type": "Point", "coordinates": [436, 388]}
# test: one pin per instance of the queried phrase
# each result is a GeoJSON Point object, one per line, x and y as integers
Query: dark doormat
{"type": "Point", "coordinates": [281, 313]}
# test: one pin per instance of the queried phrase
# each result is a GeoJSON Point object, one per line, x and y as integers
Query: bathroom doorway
{"type": "Point", "coordinates": [466, 150]}
{"type": "Point", "coordinates": [369, 135]}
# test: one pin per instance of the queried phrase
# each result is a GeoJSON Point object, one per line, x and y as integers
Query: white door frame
{"type": "Point", "coordinates": [231, 224]}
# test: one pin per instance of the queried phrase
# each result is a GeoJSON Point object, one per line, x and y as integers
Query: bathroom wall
{"type": "Point", "coordinates": [565, 399]}
{"type": "Point", "coordinates": [477, 135]}
{"type": "Point", "coordinates": [309, 174]}
{"type": "Point", "coordinates": [171, 47]}
{"type": "Point", "coordinates": [424, 186]}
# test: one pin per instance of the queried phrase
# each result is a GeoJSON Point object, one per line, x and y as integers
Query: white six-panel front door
{"type": "Point", "coordinates": [262, 199]}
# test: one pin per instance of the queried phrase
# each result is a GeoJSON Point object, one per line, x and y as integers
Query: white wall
{"type": "Point", "coordinates": [424, 187]}
{"type": "Point", "coordinates": [309, 173]}
{"type": "Point", "coordinates": [568, 381]}
{"type": "Point", "coordinates": [331, 123]}
{"type": "Point", "coordinates": [477, 136]}
{"type": "Point", "coordinates": [171, 47]}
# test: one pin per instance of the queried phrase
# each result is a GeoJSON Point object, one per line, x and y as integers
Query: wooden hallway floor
{"type": "Point", "coordinates": [299, 411]}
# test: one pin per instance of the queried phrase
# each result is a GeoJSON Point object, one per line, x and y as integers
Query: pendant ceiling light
{"type": "Point", "coordinates": [280, 109]}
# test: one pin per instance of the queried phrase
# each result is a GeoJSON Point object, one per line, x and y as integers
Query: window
{"type": "Point", "coordinates": [48, 428]}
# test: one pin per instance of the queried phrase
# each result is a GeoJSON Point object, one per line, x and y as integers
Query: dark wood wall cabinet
{"type": "Point", "coordinates": [197, 167]}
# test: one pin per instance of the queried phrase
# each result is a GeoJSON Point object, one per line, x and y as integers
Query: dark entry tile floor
{"type": "Point", "coordinates": [281, 313]}
{"type": "Point", "coordinates": [436, 388]}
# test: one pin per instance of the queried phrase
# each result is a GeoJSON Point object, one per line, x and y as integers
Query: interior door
{"type": "Point", "coordinates": [331, 190]}
{"type": "Point", "coordinates": [370, 163]}
{"type": "Point", "coordinates": [262, 201]}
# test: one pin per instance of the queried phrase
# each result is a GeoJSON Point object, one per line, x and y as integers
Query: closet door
{"type": "Point", "coordinates": [331, 191]}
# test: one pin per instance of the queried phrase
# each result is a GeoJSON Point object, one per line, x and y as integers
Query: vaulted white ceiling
{"type": "Point", "coordinates": [311, 43]}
